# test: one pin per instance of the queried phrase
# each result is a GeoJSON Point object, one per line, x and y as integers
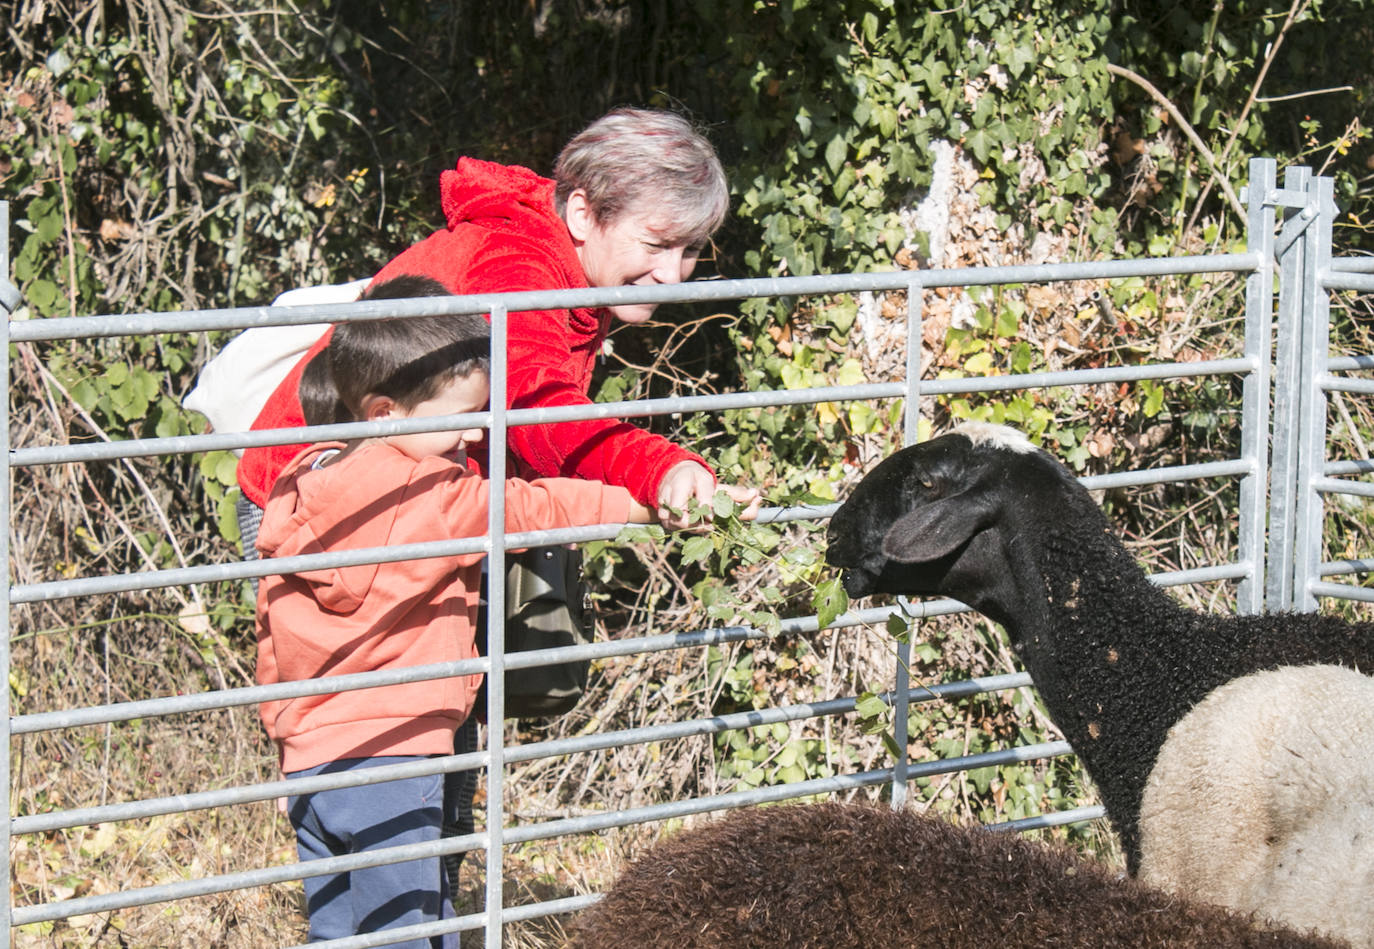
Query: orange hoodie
{"type": "Point", "coordinates": [342, 620]}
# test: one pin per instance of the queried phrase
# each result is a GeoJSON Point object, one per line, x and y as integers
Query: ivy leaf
{"type": "Point", "coordinates": [1020, 56]}
{"type": "Point", "coordinates": [870, 705]}
{"type": "Point", "coordinates": [830, 601]}
{"type": "Point", "coordinates": [697, 549]}
{"type": "Point", "coordinates": [980, 143]}
{"type": "Point", "coordinates": [835, 153]}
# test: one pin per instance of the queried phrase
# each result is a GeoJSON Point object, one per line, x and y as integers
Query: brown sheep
{"type": "Point", "coordinates": [832, 876]}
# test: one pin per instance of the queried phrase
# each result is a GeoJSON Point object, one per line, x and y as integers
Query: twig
{"type": "Point", "coordinates": [1293, 12]}
{"type": "Point", "coordinates": [1350, 426]}
{"type": "Point", "coordinates": [1345, 140]}
{"type": "Point", "coordinates": [1304, 95]}
{"type": "Point", "coordinates": [1187, 129]}
{"type": "Point", "coordinates": [68, 226]}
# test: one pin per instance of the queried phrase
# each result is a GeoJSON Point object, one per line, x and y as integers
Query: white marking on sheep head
{"type": "Point", "coordinates": [995, 436]}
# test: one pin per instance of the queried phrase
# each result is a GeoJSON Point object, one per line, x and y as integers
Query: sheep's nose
{"type": "Point", "coordinates": [840, 549]}
{"type": "Point", "coordinates": [857, 582]}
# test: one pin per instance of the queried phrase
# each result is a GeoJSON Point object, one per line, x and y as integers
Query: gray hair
{"type": "Point", "coordinates": [646, 157]}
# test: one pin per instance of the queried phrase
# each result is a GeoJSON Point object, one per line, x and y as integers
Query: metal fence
{"type": "Point", "coordinates": [1277, 565]}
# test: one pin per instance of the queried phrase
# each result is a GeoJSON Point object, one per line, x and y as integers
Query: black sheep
{"type": "Point", "coordinates": [840, 876]}
{"type": "Point", "coordinates": [983, 516]}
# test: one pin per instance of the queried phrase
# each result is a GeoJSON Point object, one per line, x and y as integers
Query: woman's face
{"type": "Point", "coordinates": [634, 249]}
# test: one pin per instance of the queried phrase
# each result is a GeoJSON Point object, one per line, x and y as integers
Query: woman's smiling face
{"type": "Point", "coordinates": [636, 248]}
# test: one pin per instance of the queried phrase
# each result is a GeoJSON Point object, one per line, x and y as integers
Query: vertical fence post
{"type": "Point", "coordinates": [1289, 248]}
{"type": "Point", "coordinates": [911, 421]}
{"type": "Point", "coordinates": [915, 335]}
{"type": "Point", "coordinates": [496, 634]}
{"type": "Point", "coordinates": [6, 301]}
{"type": "Point", "coordinates": [1259, 308]}
{"type": "Point", "coordinates": [1316, 340]}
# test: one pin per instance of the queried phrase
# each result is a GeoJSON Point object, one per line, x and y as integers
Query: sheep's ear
{"type": "Point", "coordinates": [935, 530]}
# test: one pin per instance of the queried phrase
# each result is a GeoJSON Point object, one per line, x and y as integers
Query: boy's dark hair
{"type": "Point", "coordinates": [319, 399]}
{"type": "Point", "coordinates": [407, 360]}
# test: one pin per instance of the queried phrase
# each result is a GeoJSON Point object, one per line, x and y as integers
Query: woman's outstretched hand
{"type": "Point", "coordinates": [687, 480]}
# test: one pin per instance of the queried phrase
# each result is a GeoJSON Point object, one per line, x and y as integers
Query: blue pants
{"type": "Point", "coordinates": [354, 820]}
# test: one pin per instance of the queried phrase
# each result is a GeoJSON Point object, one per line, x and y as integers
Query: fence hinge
{"type": "Point", "coordinates": [1293, 228]}
{"type": "Point", "coordinates": [1283, 198]}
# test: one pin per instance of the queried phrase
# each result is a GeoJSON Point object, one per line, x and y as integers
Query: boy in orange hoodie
{"type": "Point", "coordinates": [389, 490]}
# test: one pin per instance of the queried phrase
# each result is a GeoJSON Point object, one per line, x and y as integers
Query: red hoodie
{"type": "Point", "coordinates": [340, 620]}
{"type": "Point", "coordinates": [504, 235]}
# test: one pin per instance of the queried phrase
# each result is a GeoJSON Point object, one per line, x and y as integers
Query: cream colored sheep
{"type": "Point", "coordinates": [1262, 801]}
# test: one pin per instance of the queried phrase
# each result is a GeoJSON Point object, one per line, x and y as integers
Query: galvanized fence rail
{"type": "Point", "coordinates": [1277, 563]}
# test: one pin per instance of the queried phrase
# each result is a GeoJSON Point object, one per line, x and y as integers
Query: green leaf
{"type": "Point", "coordinates": [697, 549]}
{"type": "Point", "coordinates": [835, 153]}
{"type": "Point", "coordinates": [980, 143]}
{"type": "Point", "coordinates": [844, 181]}
{"type": "Point", "coordinates": [870, 705]}
{"type": "Point", "coordinates": [228, 517]}
{"type": "Point", "coordinates": [42, 295]}
{"type": "Point", "coordinates": [898, 627]}
{"type": "Point", "coordinates": [640, 534]}
{"type": "Point", "coordinates": [722, 505]}
{"type": "Point", "coordinates": [829, 601]}
{"type": "Point", "coordinates": [890, 743]}
{"type": "Point", "coordinates": [1006, 322]}
{"type": "Point", "coordinates": [979, 364]}
{"type": "Point", "coordinates": [851, 373]}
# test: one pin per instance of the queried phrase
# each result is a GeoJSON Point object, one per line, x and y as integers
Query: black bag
{"type": "Point", "coordinates": [545, 608]}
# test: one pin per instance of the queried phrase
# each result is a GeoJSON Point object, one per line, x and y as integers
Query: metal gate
{"type": "Point", "coordinates": [1282, 471]}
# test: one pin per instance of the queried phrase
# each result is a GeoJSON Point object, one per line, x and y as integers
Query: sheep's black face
{"type": "Point", "coordinates": [871, 535]}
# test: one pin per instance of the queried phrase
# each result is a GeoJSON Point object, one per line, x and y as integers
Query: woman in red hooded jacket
{"type": "Point", "coordinates": [634, 198]}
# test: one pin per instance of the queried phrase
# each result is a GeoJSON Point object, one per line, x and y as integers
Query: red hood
{"type": "Point", "coordinates": [517, 204]}
{"type": "Point", "coordinates": [497, 197]}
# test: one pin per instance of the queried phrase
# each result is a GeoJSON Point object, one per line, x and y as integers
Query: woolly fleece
{"type": "Point", "coordinates": [1262, 800]}
{"type": "Point", "coordinates": [849, 876]}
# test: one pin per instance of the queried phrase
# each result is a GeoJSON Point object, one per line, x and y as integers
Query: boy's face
{"type": "Point", "coordinates": [465, 394]}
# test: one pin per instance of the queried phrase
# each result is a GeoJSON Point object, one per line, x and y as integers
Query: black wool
{"type": "Point", "coordinates": [995, 523]}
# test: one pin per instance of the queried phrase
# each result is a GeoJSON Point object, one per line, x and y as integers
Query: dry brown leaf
{"type": "Point", "coordinates": [1069, 330]}
{"type": "Point", "coordinates": [194, 620]}
{"type": "Point", "coordinates": [112, 230]}
{"type": "Point", "coordinates": [782, 337]}
{"type": "Point", "coordinates": [1100, 444]}
{"type": "Point", "coordinates": [1125, 147]}
{"type": "Point", "coordinates": [1043, 298]}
